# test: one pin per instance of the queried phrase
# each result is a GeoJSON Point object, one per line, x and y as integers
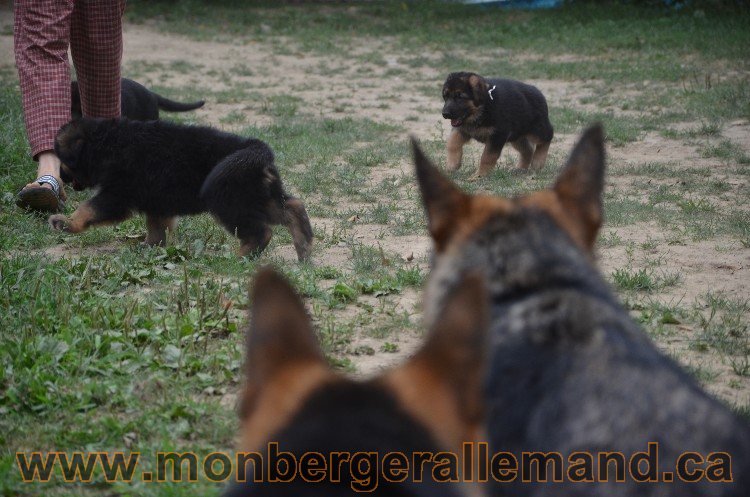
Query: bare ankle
{"type": "Point", "coordinates": [48, 164]}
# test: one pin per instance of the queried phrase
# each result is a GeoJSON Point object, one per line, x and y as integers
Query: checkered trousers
{"type": "Point", "coordinates": [42, 32]}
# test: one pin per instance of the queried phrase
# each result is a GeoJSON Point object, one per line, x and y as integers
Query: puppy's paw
{"type": "Point", "coordinates": [58, 222]}
{"type": "Point", "coordinates": [453, 167]}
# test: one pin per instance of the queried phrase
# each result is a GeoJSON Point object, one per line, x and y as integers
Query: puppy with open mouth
{"type": "Point", "coordinates": [495, 112]}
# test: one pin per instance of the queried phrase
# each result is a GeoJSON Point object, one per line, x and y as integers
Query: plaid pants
{"type": "Point", "coordinates": [42, 32]}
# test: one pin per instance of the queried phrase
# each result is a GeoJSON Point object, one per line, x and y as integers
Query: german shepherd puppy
{"type": "Point", "coordinates": [166, 170]}
{"type": "Point", "coordinates": [569, 370]}
{"type": "Point", "coordinates": [291, 397]}
{"type": "Point", "coordinates": [495, 112]}
{"type": "Point", "coordinates": [137, 102]}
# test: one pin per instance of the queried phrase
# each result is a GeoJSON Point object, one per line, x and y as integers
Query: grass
{"type": "Point", "coordinates": [727, 151]}
{"type": "Point", "coordinates": [723, 327]}
{"type": "Point", "coordinates": [619, 129]}
{"type": "Point", "coordinates": [642, 280]}
{"type": "Point", "coordinates": [103, 341]}
{"type": "Point", "coordinates": [593, 29]}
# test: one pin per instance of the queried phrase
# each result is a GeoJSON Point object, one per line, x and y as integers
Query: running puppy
{"type": "Point", "coordinates": [137, 102]}
{"type": "Point", "coordinates": [495, 112]}
{"type": "Point", "coordinates": [570, 372]}
{"type": "Point", "coordinates": [165, 170]}
{"type": "Point", "coordinates": [429, 405]}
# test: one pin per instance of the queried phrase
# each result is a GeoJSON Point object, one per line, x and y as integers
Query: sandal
{"type": "Point", "coordinates": [42, 199]}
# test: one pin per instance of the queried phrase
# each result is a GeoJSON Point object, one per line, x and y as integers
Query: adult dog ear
{"type": "Point", "coordinates": [280, 335]}
{"type": "Point", "coordinates": [283, 362]}
{"type": "Point", "coordinates": [442, 383]}
{"type": "Point", "coordinates": [444, 203]}
{"type": "Point", "coordinates": [580, 185]}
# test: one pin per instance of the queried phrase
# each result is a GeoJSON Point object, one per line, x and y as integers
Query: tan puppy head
{"type": "Point", "coordinates": [464, 97]}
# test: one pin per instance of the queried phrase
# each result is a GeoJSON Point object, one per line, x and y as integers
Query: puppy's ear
{"type": "Point", "coordinates": [70, 141]}
{"type": "Point", "coordinates": [479, 88]}
{"type": "Point", "coordinates": [283, 360]}
{"type": "Point", "coordinates": [445, 204]}
{"type": "Point", "coordinates": [442, 384]}
{"type": "Point", "coordinates": [581, 183]}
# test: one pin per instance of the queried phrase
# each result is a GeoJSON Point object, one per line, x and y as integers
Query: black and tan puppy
{"type": "Point", "coordinates": [429, 405]}
{"type": "Point", "coordinates": [137, 102]}
{"type": "Point", "coordinates": [164, 170]}
{"type": "Point", "coordinates": [496, 112]}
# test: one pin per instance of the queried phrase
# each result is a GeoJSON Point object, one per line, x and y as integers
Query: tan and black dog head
{"type": "Point", "coordinates": [515, 242]}
{"type": "Point", "coordinates": [70, 143]}
{"type": "Point", "coordinates": [292, 397]}
{"type": "Point", "coordinates": [465, 94]}
{"type": "Point", "coordinates": [574, 202]}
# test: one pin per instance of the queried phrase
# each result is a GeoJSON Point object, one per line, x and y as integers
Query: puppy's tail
{"type": "Point", "coordinates": [245, 193]}
{"type": "Point", "coordinates": [172, 106]}
{"type": "Point", "coordinates": [298, 223]}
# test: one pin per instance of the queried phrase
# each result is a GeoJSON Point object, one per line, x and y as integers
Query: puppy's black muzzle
{"type": "Point", "coordinates": [455, 115]}
{"type": "Point", "coordinates": [448, 112]}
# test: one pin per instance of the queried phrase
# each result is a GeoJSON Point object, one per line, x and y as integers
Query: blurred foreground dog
{"type": "Point", "coordinates": [164, 170]}
{"type": "Point", "coordinates": [137, 102]}
{"type": "Point", "coordinates": [569, 370]}
{"type": "Point", "coordinates": [496, 112]}
{"type": "Point", "coordinates": [432, 403]}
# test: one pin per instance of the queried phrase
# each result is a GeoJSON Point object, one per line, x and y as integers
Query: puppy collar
{"type": "Point", "coordinates": [489, 92]}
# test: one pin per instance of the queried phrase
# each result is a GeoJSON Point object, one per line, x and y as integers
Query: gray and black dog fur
{"type": "Point", "coordinates": [569, 369]}
{"type": "Point", "coordinates": [136, 102]}
{"type": "Point", "coordinates": [496, 111]}
{"type": "Point", "coordinates": [164, 170]}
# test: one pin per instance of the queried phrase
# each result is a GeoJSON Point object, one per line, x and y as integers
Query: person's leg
{"type": "Point", "coordinates": [96, 48]}
{"type": "Point", "coordinates": [41, 32]}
